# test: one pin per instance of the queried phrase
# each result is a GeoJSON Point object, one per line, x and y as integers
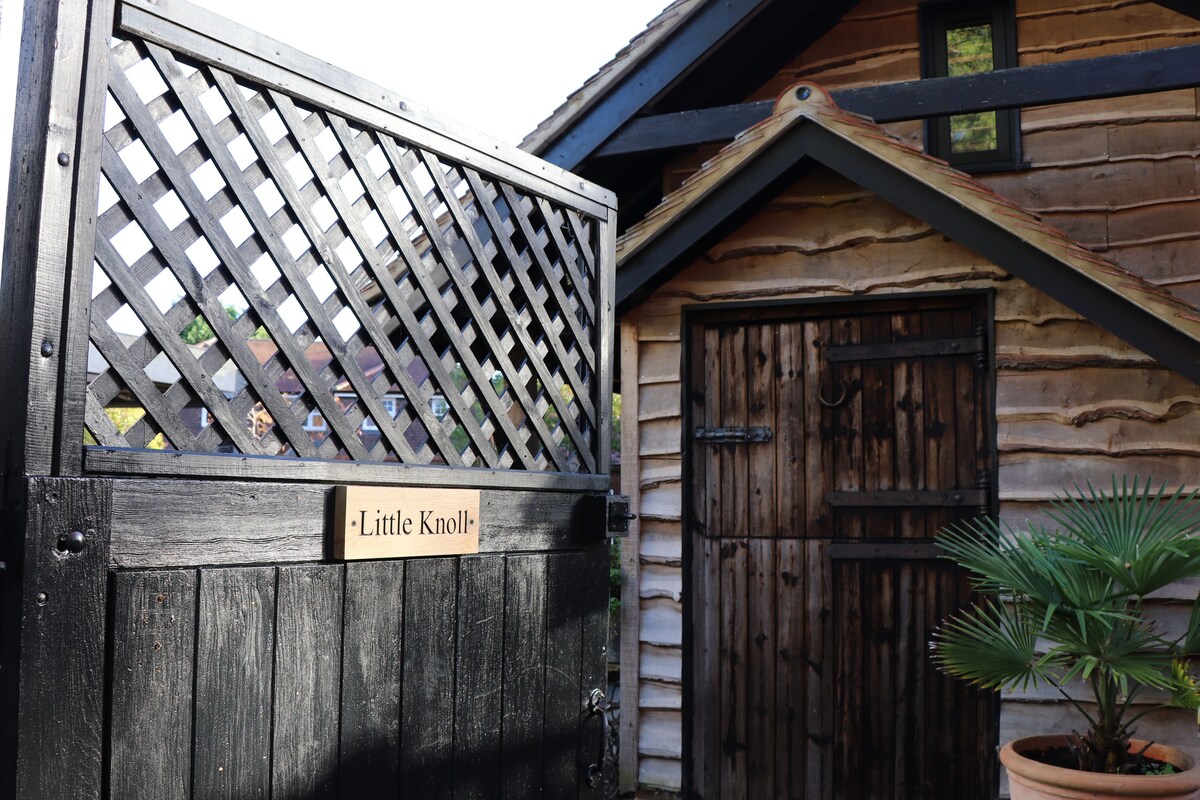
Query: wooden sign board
{"type": "Point", "coordinates": [390, 522]}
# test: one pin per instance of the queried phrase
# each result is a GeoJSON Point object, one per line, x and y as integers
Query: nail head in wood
{"type": "Point", "coordinates": [42, 598]}
{"type": "Point", "coordinates": [47, 348]}
{"type": "Point", "coordinates": [72, 542]}
{"type": "Point", "coordinates": [63, 159]}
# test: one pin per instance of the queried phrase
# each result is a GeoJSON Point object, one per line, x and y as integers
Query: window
{"type": "Point", "coordinates": [968, 38]}
{"type": "Point", "coordinates": [314, 422]}
{"type": "Point", "coordinates": [389, 405]}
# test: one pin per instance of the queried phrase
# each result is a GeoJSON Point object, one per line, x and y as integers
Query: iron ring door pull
{"type": "Point", "coordinates": [598, 705]}
{"type": "Point", "coordinates": [841, 398]}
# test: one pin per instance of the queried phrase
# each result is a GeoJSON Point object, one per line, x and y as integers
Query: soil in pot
{"type": "Point", "coordinates": [1064, 757]}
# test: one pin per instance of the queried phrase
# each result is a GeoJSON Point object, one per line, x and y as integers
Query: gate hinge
{"type": "Point", "coordinates": [760, 433]}
{"type": "Point", "coordinates": [617, 514]}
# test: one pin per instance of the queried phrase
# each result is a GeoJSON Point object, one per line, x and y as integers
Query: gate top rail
{"type": "Point", "coordinates": [300, 275]}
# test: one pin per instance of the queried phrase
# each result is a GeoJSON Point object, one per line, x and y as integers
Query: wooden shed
{"type": "Point", "coordinates": [833, 344]}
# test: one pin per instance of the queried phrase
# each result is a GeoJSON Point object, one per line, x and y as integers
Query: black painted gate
{"type": "Point", "coordinates": [235, 279]}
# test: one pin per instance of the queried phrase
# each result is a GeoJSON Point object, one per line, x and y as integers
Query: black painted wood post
{"type": "Point", "coordinates": [60, 664]}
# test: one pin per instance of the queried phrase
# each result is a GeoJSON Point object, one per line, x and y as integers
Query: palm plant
{"type": "Point", "coordinates": [1068, 603]}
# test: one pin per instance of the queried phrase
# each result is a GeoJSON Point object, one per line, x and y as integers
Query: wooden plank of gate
{"type": "Point", "coordinates": [60, 683]}
{"type": "Point", "coordinates": [790, 743]}
{"type": "Point", "coordinates": [593, 594]}
{"type": "Point", "coordinates": [790, 479]}
{"type": "Point", "coordinates": [819, 671]}
{"type": "Point", "coordinates": [426, 732]}
{"type": "Point", "coordinates": [478, 707]}
{"type": "Point", "coordinates": [761, 381]}
{"type": "Point", "coordinates": [372, 640]}
{"type": "Point", "coordinates": [818, 446]}
{"type": "Point", "coordinates": [735, 472]}
{"type": "Point", "coordinates": [308, 678]}
{"type": "Point", "coordinates": [909, 387]}
{"type": "Point", "coordinates": [235, 645]}
{"type": "Point", "coordinates": [154, 649]}
{"type": "Point", "coordinates": [157, 523]}
{"type": "Point", "coordinates": [848, 462]}
{"type": "Point", "coordinates": [524, 675]}
{"type": "Point", "coordinates": [706, 689]}
{"type": "Point", "coordinates": [732, 672]}
{"type": "Point", "coordinates": [941, 430]}
{"type": "Point", "coordinates": [878, 414]}
{"type": "Point", "coordinates": [560, 736]}
{"type": "Point", "coordinates": [762, 702]}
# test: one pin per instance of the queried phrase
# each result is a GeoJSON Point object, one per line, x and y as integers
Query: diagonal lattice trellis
{"type": "Point", "coordinates": [367, 299]}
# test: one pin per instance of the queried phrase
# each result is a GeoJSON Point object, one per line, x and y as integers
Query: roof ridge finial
{"type": "Point", "coordinates": [804, 94]}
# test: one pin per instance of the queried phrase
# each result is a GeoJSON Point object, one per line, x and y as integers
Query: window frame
{"type": "Point", "coordinates": [936, 19]}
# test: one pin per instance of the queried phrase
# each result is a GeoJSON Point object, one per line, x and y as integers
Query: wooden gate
{"type": "Point", "coordinates": [239, 283]}
{"type": "Point", "coordinates": [829, 444]}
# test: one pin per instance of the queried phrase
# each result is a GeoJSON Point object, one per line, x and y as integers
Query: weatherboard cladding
{"type": "Point", "coordinates": [810, 104]}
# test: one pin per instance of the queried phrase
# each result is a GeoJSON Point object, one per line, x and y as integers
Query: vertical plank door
{"type": "Point", "coordinates": [816, 585]}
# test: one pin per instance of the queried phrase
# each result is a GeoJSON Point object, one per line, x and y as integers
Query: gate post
{"type": "Point", "coordinates": [49, 226]}
{"type": "Point", "coordinates": [60, 716]}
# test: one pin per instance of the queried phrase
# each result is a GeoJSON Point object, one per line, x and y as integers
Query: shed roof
{"type": "Point", "coordinates": [808, 127]}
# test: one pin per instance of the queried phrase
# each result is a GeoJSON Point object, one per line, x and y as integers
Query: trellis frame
{"type": "Point", "coordinates": [57, 297]}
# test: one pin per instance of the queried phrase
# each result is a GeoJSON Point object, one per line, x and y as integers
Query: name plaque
{"type": "Point", "coordinates": [389, 522]}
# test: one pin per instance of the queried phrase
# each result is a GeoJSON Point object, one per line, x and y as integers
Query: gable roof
{"type": "Point", "coordinates": [696, 53]}
{"type": "Point", "coordinates": [808, 127]}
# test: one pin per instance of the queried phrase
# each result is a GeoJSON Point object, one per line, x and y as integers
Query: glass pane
{"type": "Point", "coordinates": [969, 52]}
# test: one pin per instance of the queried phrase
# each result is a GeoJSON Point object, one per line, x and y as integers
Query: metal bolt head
{"type": "Point", "coordinates": [42, 598]}
{"type": "Point", "coordinates": [63, 159]}
{"type": "Point", "coordinates": [72, 542]}
{"type": "Point", "coordinates": [47, 348]}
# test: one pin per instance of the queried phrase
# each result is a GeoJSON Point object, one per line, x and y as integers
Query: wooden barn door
{"type": "Point", "coordinates": [828, 447]}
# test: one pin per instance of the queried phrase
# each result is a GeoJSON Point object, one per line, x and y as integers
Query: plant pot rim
{"type": "Point", "coordinates": [1020, 767]}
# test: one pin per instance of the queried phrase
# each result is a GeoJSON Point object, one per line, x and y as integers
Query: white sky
{"type": "Point", "coordinates": [500, 66]}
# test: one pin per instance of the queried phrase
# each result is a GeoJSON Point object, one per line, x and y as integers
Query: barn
{"type": "Point", "coordinates": [884, 265]}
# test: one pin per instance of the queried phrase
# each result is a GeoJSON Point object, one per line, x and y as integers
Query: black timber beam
{"type": "Point", "coordinates": [1190, 8]}
{"type": "Point", "coordinates": [697, 36]}
{"type": "Point", "coordinates": [1070, 81]}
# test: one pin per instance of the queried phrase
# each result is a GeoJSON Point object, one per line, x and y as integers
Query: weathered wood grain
{"type": "Point", "coordinates": [154, 650]}
{"type": "Point", "coordinates": [524, 675]}
{"type": "Point", "coordinates": [479, 683]}
{"type": "Point", "coordinates": [235, 641]}
{"type": "Point", "coordinates": [308, 681]}
{"type": "Point", "coordinates": [372, 672]}
{"type": "Point", "coordinates": [632, 548]}
{"type": "Point", "coordinates": [59, 693]}
{"type": "Point", "coordinates": [427, 703]}
{"type": "Point", "coordinates": [160, 523]}
{"type": "Point", "coordinates": [565, 692]}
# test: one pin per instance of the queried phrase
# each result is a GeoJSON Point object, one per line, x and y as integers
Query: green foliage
{"type": "Point", "coordinates": [1065, 604]}
{"type": "Point", "coordinates": [124, 418]}
{"type": "Point", "coordinates": [614, 584]}
{"type": "Point", "coordinates": [198, 330]}
{"type": "Point", "coordinates": [969, 52]}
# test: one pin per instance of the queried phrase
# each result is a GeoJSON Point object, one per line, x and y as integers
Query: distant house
{"type": "Point", "coordinates": [231, 383]}
{"type": "Point", "coordinates": [838, 336]}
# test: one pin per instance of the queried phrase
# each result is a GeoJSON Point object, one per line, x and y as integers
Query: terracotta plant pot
{"type": "Point", "coordinates": [1033, 780]}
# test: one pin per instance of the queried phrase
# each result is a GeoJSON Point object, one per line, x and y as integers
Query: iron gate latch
{"type": "Point", "coordinates": [759, 433]}
{"type": "Point", "coordinates": [617, 514]}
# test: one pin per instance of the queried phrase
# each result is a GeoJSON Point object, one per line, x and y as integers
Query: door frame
{"type": "Point", "coordinates": [692, 317]}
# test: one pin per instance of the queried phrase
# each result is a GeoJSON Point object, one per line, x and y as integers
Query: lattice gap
{"type": "Point", "coordinates": [274, 279]}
